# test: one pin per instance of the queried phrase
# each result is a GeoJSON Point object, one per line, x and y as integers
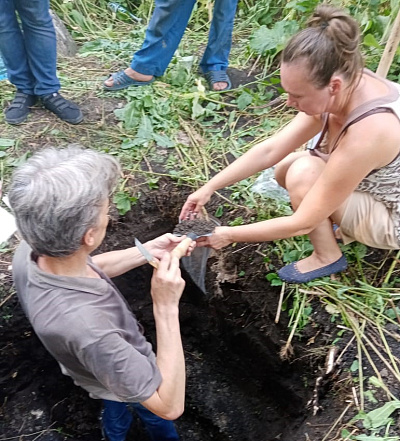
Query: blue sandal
{"type": "Point", "coordinates": [122, 81]}
{"type": "Point", "coordinates": [291, 274]}
{"type": "Point", "coordinates": [218, 76]}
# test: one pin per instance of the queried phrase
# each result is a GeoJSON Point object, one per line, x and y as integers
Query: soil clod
{"type": "Point", "coordinates": [199, 227]}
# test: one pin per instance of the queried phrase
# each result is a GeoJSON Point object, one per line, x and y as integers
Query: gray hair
{"type": "Point", "coordinates": [57, 196]}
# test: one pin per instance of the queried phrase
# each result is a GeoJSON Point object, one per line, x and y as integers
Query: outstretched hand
{"type": "Point", "coordinates": [194, 203]}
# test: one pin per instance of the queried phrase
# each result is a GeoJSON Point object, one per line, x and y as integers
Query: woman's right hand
{"type": "Point", "coordinates": [195, 202]}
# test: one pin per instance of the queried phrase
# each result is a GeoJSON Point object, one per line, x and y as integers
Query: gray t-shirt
{"type": "Point", "coordinates": [87, 326]}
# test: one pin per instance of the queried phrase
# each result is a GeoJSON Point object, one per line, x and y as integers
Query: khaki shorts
{"type": "Point", "coordinates": [368, 221]}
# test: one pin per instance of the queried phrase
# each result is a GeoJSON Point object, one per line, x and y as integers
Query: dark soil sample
{"type": "Point", "coordinates": [200, 227]}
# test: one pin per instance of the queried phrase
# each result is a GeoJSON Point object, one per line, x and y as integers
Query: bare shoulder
{"type": "Point", "coordinates": [377, 136]}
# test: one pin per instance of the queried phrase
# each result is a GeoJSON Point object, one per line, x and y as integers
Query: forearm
{"type": "Point", "coordinates": [272, 229]}
{"type": "Point", "coordinates": [115, 263]}
{"type": "Point", "coordinates": [169, 400]}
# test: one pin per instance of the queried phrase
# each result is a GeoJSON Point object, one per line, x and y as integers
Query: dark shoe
{"type": "Point", "coordinates": [291, 274]}
{"type": "Point", "coordinates": [18, 111]}
{"type": "Point", "coordinates": [66, 110]}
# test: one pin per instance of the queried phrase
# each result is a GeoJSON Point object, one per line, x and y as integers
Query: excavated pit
{"type": "Point", "coordinates": [238, 388]}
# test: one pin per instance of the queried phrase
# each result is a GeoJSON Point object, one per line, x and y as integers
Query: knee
{"type": "Point", "coordinates": [282, 167]}
{"type": "Point", "coordinates": [303, 172]}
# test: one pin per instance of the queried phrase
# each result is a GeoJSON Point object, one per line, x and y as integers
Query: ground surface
{"type": "Point", "coordinates": [239, 387]}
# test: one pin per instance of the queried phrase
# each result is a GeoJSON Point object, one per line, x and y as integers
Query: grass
{"type": "Point", "coordinates": [201, 134]}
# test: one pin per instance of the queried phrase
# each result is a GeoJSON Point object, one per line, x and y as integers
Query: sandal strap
{"type": "Point", "coordinates": [217, 76]}
{"type": "Point", "coordinates": [121, 78]}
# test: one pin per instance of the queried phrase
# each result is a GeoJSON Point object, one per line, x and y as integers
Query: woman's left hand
{"type": "Point", "coordinates": [219, 239]}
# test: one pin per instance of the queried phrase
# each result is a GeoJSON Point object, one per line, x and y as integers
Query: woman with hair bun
{"type": "Point", "coordinates": [351, 177]}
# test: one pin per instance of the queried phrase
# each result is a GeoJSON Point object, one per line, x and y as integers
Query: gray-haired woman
{"type": "Point", "coordinates": [351, 178]}
{"type": "Point", "coordinates": [60, 199]}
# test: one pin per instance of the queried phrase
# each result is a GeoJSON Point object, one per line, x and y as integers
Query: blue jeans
{"type": "Point", "coordinates": [30, 51]}
{"type": "Point", "coordinates": [165, 31]}
{"type": "Point", "coordinates": [117, 419]}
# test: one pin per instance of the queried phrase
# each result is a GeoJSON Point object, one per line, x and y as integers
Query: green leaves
{"type": "Point", "coordinates": [377, 419]}
{"type": "Point", "coordinates": [144, 115]}
{"type": "Point", "coordinates": [124, 202]}
{"type": "Point", "coordinates": [4, 145]}
{"type": "Point", "coordinates": [354, 366]}
{"type": "Point", "coordinates": [219, 211]}
{"type": "Point", "coordinates": [274, 279]}
{"type": "Point", "coordinates": [266, 40]}
{"type": "Point", "coordinates": [244, 100]}
{"type": "Point", "coordinates": [381, 416]}
{"type": "Point", "coordinates": [197, 108]}
{"type": "Point", "coordinates": [375, 438]}
{"type": "Point", "coordinates": [303, 249]}
{"type": "Point", "coordinates": [303, 6]}
{"type": "Point", "coordinates": [370, 40]}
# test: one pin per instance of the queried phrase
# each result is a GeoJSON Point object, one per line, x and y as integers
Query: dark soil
{"type": "Point", "coordinates": [198, 227]}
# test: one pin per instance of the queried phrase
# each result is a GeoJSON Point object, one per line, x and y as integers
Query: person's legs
{"type": "Point", "coordinates": [40, 44]}
{"type": "Point", "coordinates": [302, 171]}
{"type": "Point", "coordinates": [116, 420]}
{"type": "Point", "coordinates": [163, 35]}
{"type": "Point", "coordinates": [13, 51]}
{"type": "Point", "coordinates": [157, 428]}
{"type": "Point", "coordinates": [216, 55]}
{"type": "Point", "coordinates": [30, 57]}
{"type": "Point", "coordinates": [12, 48]}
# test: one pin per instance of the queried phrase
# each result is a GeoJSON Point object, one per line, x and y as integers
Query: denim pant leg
{"type": "Point", "coordinates": [116, 420]}
{"type": "Point", "coordinates": [163, 35]}
{"type": "Point", "coordinates": [216, 55]}
{"type": "Point", "coordinates": [12, 48]}
{"type": "Point", "coordinates": [40, 44]}
{"type": "Point", "coordinates": [157, 428]}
